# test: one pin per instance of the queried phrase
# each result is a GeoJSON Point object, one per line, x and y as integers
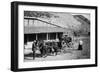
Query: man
{"type": "Point", "coordinates": [33, 49]}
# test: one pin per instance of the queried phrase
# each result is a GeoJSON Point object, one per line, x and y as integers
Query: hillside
{"type": "Point", "coordinates": [85, 23]}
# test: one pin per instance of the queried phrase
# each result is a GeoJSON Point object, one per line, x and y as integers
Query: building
{"type": "Point", "coordinates": [45, 29]}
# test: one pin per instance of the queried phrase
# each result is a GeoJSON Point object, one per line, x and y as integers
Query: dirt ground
{"type": "Point", "coordinates": [67, 54]}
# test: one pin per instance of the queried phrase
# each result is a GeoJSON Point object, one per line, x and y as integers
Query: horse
{"type": "Point", "coordinates": [43, 49]}
{"type": "Point", "coordinates": [56, 47]}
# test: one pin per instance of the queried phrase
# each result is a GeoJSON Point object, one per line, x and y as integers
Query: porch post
{"type": "Point", "coordinates": [28, 29]}
{"type": "Point", "coordinates": [47, 36]}
{"type": "Point", "coordinates": [36, 37]}
{"type": "Point", "coordinates": [56, 35]}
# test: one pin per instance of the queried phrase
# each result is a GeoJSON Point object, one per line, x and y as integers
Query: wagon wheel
{"type": "Point", "coordinates": [70, 44]}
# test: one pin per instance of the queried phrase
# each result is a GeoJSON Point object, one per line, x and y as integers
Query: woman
{"type": "Point", "coordinates": [80, 45]}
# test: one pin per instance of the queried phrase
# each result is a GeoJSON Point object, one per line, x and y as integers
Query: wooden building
{"type": "Point", "coordinates": [38, 29]}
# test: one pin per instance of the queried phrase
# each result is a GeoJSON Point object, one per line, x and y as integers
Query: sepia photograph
{"type": "Point", "coordinates": [56, 36]}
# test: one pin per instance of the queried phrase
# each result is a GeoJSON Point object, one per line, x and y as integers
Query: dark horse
{"type": "Point", "coordinates": [49, 48]}
{"type": "Point", "coordinates": [43, 49]}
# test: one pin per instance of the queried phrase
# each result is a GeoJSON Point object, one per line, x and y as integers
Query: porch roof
{"type": "Point", "coordinates": [29, 30]}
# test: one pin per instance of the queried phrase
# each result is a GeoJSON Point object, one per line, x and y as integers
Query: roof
{"type": "Point", "coordinates": [29, 30]}
{"type": "Point", "coordinates": [64, 22]}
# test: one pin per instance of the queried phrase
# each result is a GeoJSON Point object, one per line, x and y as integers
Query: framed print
{"type": "Point", "coordinates": [52, 36]}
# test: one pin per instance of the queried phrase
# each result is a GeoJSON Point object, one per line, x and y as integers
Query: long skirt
{"type": "Point", "coordinates": [80, 47]}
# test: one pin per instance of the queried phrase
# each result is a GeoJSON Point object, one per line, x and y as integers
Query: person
{"type": "Point", "coordinates": [80, 46]}
{"type": "Point", "coordinates": [43, 50]}
{"type": "Point", "coordinates": [33, 50]}
{"type": "Point", "coordinates": [37, 48]}
{"type": "Point", "coordinates": [54, 48]}
{"type": "Point", "coordinates": [60, 45]}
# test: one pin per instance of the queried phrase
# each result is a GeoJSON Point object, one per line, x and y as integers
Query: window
{"type": "Point", "coordinates": [29, 37]}
{"type": "Point", "coordinates": [41, 36]}
{"type": "Point", "coordinates": [52, 36]}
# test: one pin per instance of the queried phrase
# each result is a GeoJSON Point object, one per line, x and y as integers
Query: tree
{"type": "Point", "coordinates": [38, 14]}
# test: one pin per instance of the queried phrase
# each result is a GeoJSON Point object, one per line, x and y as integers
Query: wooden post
{"type": "Point", "coordinates": [36, 37]}
{"type": "Point", "coordinates": [28, 30]}
{"type": "Point", "coordinates": [47, 36]}
{"type": "Point", "coordinates": [56, 35]}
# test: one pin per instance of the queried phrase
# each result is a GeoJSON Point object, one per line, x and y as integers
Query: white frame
{"type": "Point", "coordinates": [17, 59]}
